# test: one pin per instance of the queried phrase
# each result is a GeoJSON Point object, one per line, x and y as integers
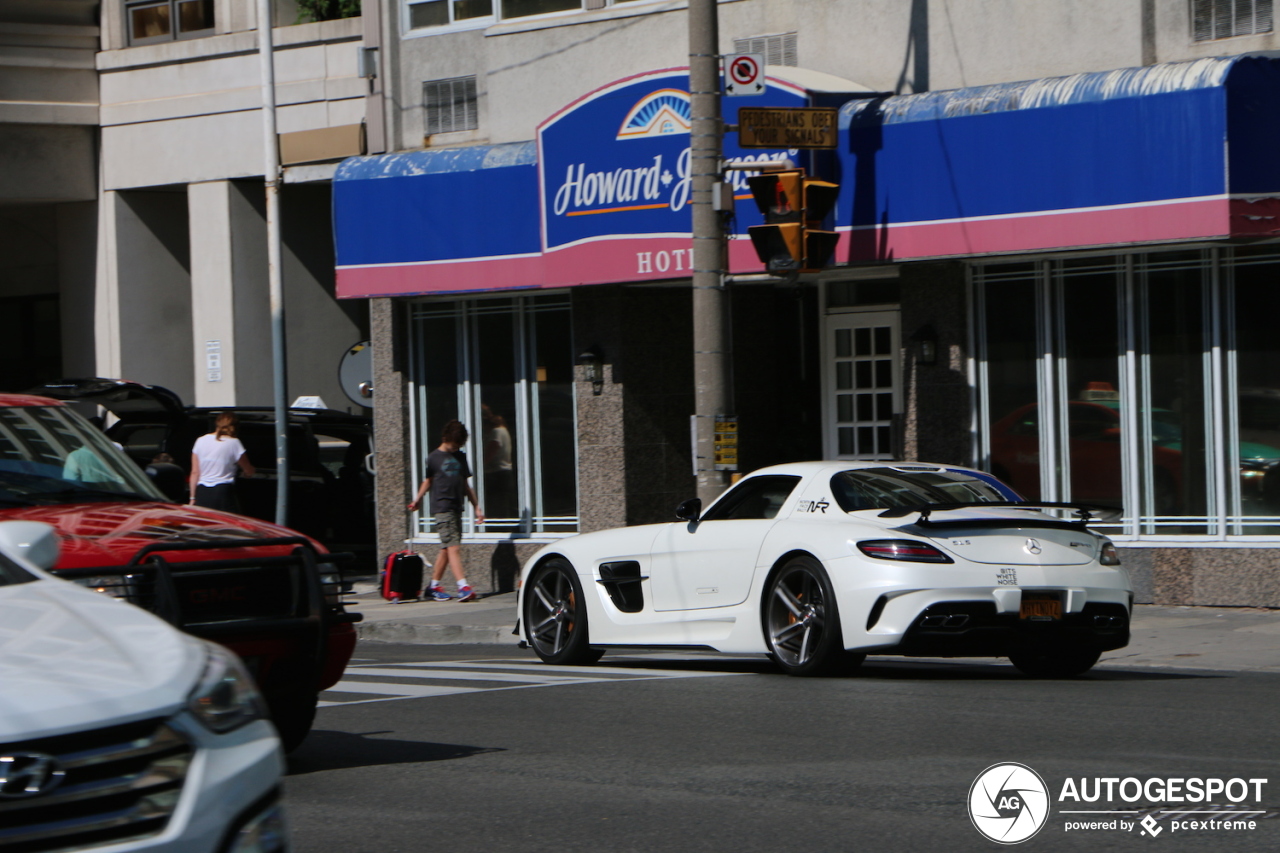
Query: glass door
{"type": "Point", "coordinates": [861, 384]}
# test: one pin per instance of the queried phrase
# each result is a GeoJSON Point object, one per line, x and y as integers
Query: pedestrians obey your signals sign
{"type": "Point", "coordinates": [778, 127]}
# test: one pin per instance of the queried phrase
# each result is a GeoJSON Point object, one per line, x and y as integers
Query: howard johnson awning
{"type": "Point", "coordinates": [1170, 153]}
{"type": "Point", "coordinates": [601, 195]}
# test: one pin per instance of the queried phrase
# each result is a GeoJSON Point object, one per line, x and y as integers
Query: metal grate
{"type": "Point", "coordinates": [450, 105]}
{"type": "Point", "coordinates": [1220, 19]}
{"type": "Point", "coordinates": [121, 783]}
{"type": "Point", "coordinates": [779, 49]}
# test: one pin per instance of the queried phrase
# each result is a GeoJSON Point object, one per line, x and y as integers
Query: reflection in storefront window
{"type": "Point", "coordinates": [504, 368]}
{"type": "Point", "coordinates": [1090, 340]}
{"type": "Point", "coordinates": [1257, 396]}
{"type": "Point", "coordinates": [1173, 462]}
{"type": "Point", "coordinates": [1011, 352]}
{"type": "Point", "coordinates": [1151, 383]}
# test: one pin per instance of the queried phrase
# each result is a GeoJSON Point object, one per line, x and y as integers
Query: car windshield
{"type": "Point", "coordinates": [885, 488]}
{"type": "Point", "coordinates": [50, 455]}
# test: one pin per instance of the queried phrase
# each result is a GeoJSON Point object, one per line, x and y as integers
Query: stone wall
{"type": "Point", "coordinates": [937, 400]}
{"type": "Point", "coordinates": [1216, 577]}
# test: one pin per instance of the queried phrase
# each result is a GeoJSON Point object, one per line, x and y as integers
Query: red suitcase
{"type": "Point", "coordinates": [402, 577]}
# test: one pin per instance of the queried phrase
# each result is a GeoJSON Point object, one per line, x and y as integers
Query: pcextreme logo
{"type": "Point", "coordinates": [1009, 803]}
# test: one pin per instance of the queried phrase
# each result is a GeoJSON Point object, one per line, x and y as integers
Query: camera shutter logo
{"type": "Point", "coordinates": [1008, 803]}
{"type": "Point", "coordinates": [29, 774]}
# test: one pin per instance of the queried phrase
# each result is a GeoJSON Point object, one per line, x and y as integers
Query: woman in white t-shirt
{"type": "Point", "coordinates": [214, 460]}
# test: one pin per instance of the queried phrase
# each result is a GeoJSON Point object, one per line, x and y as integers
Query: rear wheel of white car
{"type": "Point", "coordinates": [1055, 661]}
{"type": "Point", "coordinates": [556, 615]}
{"type": "Point", "coordinates": [801, 621]}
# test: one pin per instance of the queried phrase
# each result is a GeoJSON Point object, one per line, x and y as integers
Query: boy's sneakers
{"type": "Point", "coordinates": [438, 593]}
{"type": "Point", "coordinates": [466, 593]}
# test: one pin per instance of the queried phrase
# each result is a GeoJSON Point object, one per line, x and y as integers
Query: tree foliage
{"type": "Point", "coordinates": [327, 10]}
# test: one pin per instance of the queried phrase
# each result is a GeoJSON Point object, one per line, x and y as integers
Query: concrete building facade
{"type": "Point", "coordinates": [132, 190]}
{"type": "Point", "coordinates": [948, 369]}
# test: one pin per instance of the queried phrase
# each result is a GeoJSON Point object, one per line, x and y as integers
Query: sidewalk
{"type": "Point", "coordinates": [1231, 638]}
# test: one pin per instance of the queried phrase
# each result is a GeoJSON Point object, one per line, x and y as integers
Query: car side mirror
{"type": "Point", "coordinates": [34, 541]}
{"type": "Point", "coordinates": [690, 510]}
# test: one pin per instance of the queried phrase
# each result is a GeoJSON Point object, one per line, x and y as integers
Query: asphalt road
{"type": "Point", "coordinates": [492, 751]}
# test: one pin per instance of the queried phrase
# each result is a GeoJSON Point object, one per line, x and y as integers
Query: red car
{"type": "Point", "coordinates": [266, 592]}
{"type": "Point", "coordinates": [1093, 430]}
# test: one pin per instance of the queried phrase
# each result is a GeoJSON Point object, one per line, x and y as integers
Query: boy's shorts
{"type": "Point", "coordinates": [448, 526]}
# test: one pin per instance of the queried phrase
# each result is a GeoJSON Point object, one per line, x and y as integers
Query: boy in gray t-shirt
{"type": "Point", "coordinates": [448, 479]}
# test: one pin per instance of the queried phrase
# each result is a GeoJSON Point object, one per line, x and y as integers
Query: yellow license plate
{"type": "Point", "coordinates": [1041, 609]}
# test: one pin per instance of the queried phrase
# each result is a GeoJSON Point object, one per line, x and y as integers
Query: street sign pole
{"type": "Point", "coordinates": [712, 386]}
{"type": "Point", "coordinates": [275, 278]}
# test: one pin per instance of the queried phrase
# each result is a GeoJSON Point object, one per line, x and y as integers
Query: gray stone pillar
{"type": "Point", "coordinates": [231, 333]}
{"type": "Point", "coordinates": [143, 327]}
{"type": "Point", "coordinates": [390, 425]}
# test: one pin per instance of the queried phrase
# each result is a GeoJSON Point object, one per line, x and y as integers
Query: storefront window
{"type": "Point", "coordinates": [504, 367]}
{"type": "Point", "coordinates": [1146, 383]}
{"type": "Point", "coordinates": [1256, 365]}
{"type": "Point", "coordinates": [1013, 350]}
{"type": "Point", "coordinates": [1173, 460]}
{"type": "Point", "coordinates": [1090, 339]}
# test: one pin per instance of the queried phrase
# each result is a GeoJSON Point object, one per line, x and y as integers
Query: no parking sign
{"type": "Point", "coordinates": [744, 74]}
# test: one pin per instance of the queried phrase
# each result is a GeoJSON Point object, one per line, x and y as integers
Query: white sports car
{"type": "Point", "coordinates": [818, 564]}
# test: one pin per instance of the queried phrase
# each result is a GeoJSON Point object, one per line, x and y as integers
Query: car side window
{"type": "Point", "coordinates": [754, 498]}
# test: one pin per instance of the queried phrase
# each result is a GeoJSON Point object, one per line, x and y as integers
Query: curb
{"type": "Point", "coordinates": [435, 635]}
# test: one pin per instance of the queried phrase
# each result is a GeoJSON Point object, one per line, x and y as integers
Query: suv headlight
{"type": "Point", "coordinates": [225, 697]}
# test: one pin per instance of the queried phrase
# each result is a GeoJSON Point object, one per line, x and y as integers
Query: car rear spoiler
{"type": "Point", "coordinates": [1084, 514]}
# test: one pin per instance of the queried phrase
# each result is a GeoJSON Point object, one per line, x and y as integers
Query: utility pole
{"type": "Point", "coordinates": [712, 391]}
{"type": "Point", "coordinates": [275, 281]}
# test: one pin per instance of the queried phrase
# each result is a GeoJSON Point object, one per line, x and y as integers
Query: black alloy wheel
{"type": "Point", "coordinates": [556, 615]}
{"type": "Point", "coordinates": [802, 623]}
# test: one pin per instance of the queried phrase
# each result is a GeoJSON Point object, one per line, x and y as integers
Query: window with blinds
{"type": "Point", "coordinates": [1221, 19]}
{"type": "Point", "coordinates": [450, 105]}
{"type": "Point", "coordinates": [778, 49]}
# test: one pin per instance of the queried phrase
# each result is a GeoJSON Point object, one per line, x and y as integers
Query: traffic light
{"type": "Point", "coordinates": [792, 239]}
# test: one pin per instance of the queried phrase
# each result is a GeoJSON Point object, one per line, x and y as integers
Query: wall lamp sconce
{"type": "Point", "coordinates": [926, 340]}
{"type": "Point", "coordinates": [592, 364]}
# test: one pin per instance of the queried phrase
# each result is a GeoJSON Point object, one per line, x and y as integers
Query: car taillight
{"type": "Point", "coordinates": [903, 549]}
{"type": "Point", "coordinates": [1109, 555]}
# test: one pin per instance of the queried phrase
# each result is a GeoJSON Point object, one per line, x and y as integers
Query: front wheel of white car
{"type": "Point", "coordinates": [801, 621]}
{"type": "Point", "coordinates": [556, 614]}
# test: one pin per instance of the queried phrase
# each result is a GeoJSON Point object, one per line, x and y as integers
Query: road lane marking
{"type": "Point", "coordinates": [512, 675]}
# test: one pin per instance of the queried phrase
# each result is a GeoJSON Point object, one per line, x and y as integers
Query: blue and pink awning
{"type": "Point", "coordinates": [1170, 153]}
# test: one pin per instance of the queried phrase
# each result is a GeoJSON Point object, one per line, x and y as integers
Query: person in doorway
{"type": "Point", "coordinates": [215, 460]}
{"type": "Point", "coordinates": [499, 472]}
{"type": "Point", "coordinates": [448, 480]}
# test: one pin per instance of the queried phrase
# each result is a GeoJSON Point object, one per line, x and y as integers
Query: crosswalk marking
{"type": "Point", "coordinates": [584, 670]}
{"type": "Point", "coordinates": [403, 691]}
{"type": "Point", "coordinates": [505, 674]}
{"type": "Point", "coordinates": [463, 675]}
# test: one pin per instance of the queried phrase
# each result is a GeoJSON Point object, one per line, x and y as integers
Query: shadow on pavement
{"type": "Point", "coordinates": [328, 750]}
{"type": "Point", "coordinates": [888, 669]}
